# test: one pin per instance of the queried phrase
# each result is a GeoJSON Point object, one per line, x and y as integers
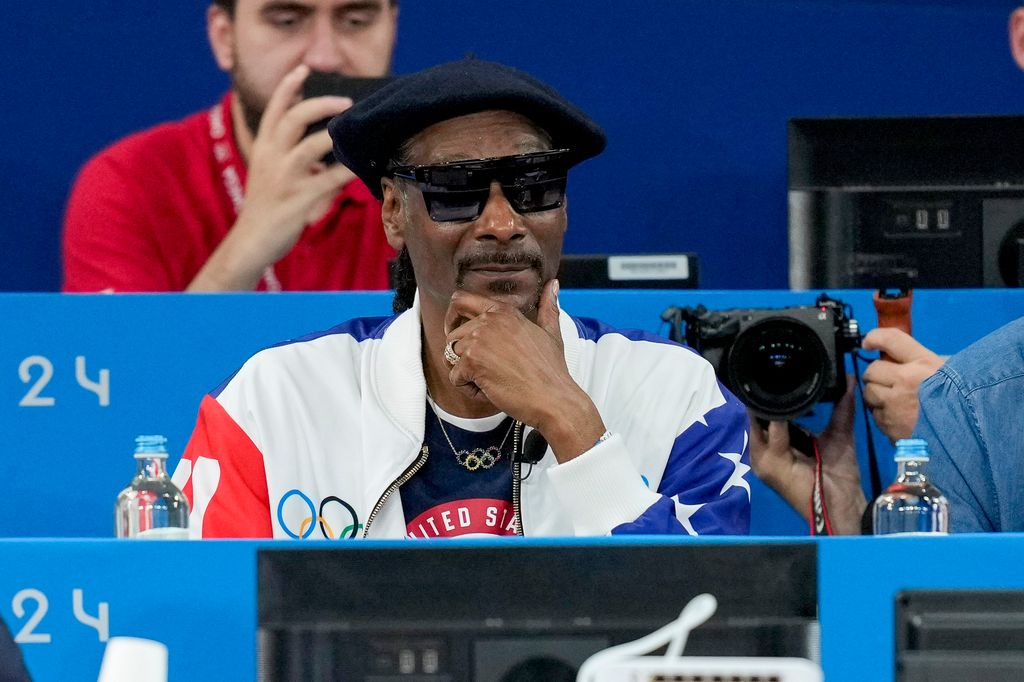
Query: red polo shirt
{"type": "Point", "coordinates": [146, 213]}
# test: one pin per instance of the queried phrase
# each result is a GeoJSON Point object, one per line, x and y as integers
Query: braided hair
{"type": "Point", "coordinates": [405, 282]}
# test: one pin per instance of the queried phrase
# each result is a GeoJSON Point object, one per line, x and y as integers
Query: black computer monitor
{"type": "Point", "coordinates": [960, 635]}
{"type": "Point", "coordinates": [896, 202]}
{"type": "Point", "coordinates": [629, 271]}
{"type": "Point", "coordinates": [518, 611]}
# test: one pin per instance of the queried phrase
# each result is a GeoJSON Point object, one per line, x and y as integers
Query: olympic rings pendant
{"type": "Point", "coordinates": [478, 458]}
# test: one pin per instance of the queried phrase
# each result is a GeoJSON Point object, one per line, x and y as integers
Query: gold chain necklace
{"type": "Point", "coordinates": [477, 458]}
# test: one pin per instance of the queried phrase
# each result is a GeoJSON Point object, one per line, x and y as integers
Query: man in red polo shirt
{"type": "Point", "coordinates": [236, 198]}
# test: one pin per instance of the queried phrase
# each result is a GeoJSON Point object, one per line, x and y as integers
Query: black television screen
{"type": "Point", "coordinates": [512, 612]}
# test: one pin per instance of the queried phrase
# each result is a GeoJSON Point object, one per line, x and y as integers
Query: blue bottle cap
{"type": "Point", "coordinates": [149, 446]}
{"type": "Point", "coordinates": [911, 449]}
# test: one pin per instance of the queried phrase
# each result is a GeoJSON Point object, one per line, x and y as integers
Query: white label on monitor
{"type": "Point", "coordinates": [648, 267]}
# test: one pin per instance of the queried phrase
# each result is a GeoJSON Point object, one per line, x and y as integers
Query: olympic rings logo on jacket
{"type": "Point", "coordinates": [318, 518]}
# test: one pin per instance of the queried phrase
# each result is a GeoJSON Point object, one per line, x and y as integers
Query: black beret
{"type": "Point", "coordinates": [367, 136]}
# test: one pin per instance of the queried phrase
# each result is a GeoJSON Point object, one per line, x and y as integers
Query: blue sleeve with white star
{"type": "Point", "coordinates": [703, 487]}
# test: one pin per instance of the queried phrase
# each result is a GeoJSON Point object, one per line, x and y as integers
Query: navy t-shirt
{"type": "Point", "coordinates": [444, 498]}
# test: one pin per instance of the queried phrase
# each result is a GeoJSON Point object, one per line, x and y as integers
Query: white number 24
{"type": "Point", "coordinates": [28, 635]}
{"type": "Point", "coordinates": [34, 398]}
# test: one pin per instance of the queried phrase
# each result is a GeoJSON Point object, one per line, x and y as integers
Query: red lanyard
{"type": "Point", "coordinates": [227, 164]}
{"type": "Point", "coordinates": [821, 524]}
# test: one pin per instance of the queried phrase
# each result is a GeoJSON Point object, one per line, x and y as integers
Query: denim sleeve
{"type": "Point", "coordinates": [960, 465]}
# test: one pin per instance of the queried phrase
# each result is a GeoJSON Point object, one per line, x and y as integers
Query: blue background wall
{"type": "Point", "coordinates": [695, 97]}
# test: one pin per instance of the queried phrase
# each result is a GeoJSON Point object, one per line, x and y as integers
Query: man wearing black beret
{"type": "Point", "coordinates": [481, 407]}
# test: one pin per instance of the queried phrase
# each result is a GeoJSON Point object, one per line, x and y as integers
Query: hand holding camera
{"type": "Point", "coordinates": [781, 363]}
{"type": "Point", "coordinates": [891, 383]}
{"type": "Point", "coordinates": [786, 469]}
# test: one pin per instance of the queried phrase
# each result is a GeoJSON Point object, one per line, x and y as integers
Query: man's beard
{"type": "Point", "coordinates": [252, 104]}
{"type": "Point", "coordinates": [504, 287]}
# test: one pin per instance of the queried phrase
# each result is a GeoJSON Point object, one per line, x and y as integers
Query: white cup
{"type": "Point", "coordinates": [135, 660]}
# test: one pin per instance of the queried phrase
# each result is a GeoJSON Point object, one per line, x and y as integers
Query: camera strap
{"type": "Point", "coordinates": [820, 524]}
{"type": "Point", "coordinates": [225, 153]}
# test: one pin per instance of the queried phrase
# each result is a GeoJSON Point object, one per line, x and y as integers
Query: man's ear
{"type": "Point", "coordinates": [220, 30]}
{"type": "Point", "coordinates": [1017, 36]}
{"type": "Point", "coordinates": [392, 214]}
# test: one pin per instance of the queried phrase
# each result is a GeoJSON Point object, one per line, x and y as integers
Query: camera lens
{"type": "Point", "coordinates": [778, 368]}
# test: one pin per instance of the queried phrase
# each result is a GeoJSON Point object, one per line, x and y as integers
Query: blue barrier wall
{"type": "Point", "coordinates": [694, 95]}
{"type": "Point", "coordinates": [67, 441]}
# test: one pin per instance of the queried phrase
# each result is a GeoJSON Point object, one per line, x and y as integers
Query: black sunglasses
{"type": "Point", "coordinates": [458, 191]}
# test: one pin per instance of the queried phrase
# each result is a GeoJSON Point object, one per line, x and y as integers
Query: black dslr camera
{"type": "Point", "coordinates": [779, 361]}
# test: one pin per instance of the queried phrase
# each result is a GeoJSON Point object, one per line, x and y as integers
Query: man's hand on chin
{"type": "Point", "coordinates": [520, 367]}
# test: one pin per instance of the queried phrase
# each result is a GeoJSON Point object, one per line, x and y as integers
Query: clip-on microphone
{"type": "Point", "coordinates": [534, 447]}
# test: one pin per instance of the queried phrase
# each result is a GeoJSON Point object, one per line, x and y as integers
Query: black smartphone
{"type": "Point", "coordinates": [319, 83]}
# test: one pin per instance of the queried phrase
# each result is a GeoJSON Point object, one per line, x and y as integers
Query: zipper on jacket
{"type": "Point", "coordinates": [517, 467]}
{"type": "Point", "coordinates": [395, 485]}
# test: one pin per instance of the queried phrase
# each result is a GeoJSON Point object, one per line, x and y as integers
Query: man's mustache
{"type": "Point", "coordinates": [529, 259]}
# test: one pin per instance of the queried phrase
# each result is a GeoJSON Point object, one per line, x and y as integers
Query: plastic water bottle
{"type": "Point", "coordinates": [151, 506]}
{"type": "Point", "coordinates": [911, 504]}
